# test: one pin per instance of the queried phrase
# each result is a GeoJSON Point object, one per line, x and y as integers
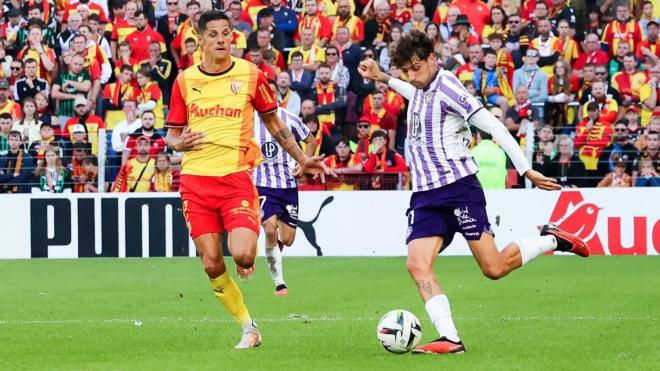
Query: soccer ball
{"type": "Point", "coordinates": [399, 331]}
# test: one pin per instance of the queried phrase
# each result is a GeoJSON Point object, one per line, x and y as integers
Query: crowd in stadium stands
{"type": "Point", "coordinates": [578, 78]}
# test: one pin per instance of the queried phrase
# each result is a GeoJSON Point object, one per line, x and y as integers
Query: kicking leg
{"type": "Point", "coordinates": [422, 253]}
{"type": "Point", "coordinates": [224, 288]}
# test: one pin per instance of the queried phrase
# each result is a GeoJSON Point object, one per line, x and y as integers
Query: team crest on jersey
{"type": "Point", "coordinates": [269, 150]}
{"type": "Point", "coordinates": [293, 211]}
{"type": "Point", "coordinates": [428, 97]}
{"type": "Point", "coordinates": [415, 130]}
{"type": "Point", "coordinates": [236, 86]}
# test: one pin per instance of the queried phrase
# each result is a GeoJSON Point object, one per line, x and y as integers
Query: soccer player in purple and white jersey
{"type": "Point", "coordinates": [278, 191]}
{"type": "Point", "coordinates": [447, 197]}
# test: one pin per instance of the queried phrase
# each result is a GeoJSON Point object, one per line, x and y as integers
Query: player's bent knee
{"type": "Point", "coordinates": [213, 267]}
{"type": "Point", "coordinates": [288, 240]}
{"type": "Point", "coordinates": [245, 259]}
{"type": "Point", "coordinates": [494, 272]}
{"type": "Point", "coordinates": [418, 267]}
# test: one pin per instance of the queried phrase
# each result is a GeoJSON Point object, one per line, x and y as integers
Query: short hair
{"type": "Point", "coordinates": [490, 51]}
{"type": "Point", "coordinates": [652, 23]}
{"type": "Point", "coordinates": [210, 16]}
{"type": "Point", "coordinates": [413, 44]}
{"type": "Point", "coordinates": [118, 4]}
{"type": "Point", "coordinates": [309, 118]}
{"type": "Point", "coordinates": [140, 12]}
{"type": "Point", "coordinates": [5, 116]}
{"type": "Point", "coordinates": [33, 7]}
{"type": "Point", "coordinates": [296, 54]}
{"type": "Point", "coordinates": [325, 65]}
{"type": "Point", "coordinates": [629, 55]}
{"type": "Point", "coordinates": [254, 48]}
{"type": "Point", "coordinates": [341, 140]}
{"type": "Point", "coordinates": [622, 121]}
{"type": "Point", "coordinates": [123, 103]}
{"type": "Point", "coordinates": [91, 159]}
{"type": "Point", "coordinates": [378, 134]}
{"type": "Point", "coordinates": [15, 133]}
{"type": "Point", "coordinates": [125, 67]}
{"type": "Point", "coordinates": [189, 40]}
{"type": "Point", "coordinates": [94, 17]}
{"type": "Point", "coordinates": [30, 60]}
{"type": "Point", "coordinates": [144, 71]}
{"type": "Point", "coordinates": [124, 43]}
{"type": "Point", "coordinates": [593, 106]}
{"type": "Point", "coordinates": [149, 112]}
{"type": "Point", "coordinates": [263, 29]}
{"type": "Point", "coordinates": [193, 2]}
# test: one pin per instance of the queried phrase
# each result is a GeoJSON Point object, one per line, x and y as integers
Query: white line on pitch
{"type": "Point", "coordinates": [296, 318]}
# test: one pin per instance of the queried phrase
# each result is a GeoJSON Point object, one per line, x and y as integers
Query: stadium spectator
{"type": "Point", "coordinates": [150, 97]}
{"type": "Point", "coordinates": [621, 150]}
{"type": "Point", "coordinates": [5, 61]}
{"type": "Point", "coordinates": [383, 160]}
{"type": "Point", "coordinates": [377, 29]}
{"type": "Point", "coordinates": [592, 55]}
{"type": "Point", "coordinates": [569, 49]}
{"type": "Point", "coordinates": [16, 166]}
{"type": "Point", "coordinates": [284, 19]}
{"type": "Point", "coordinates": [549, 47]}
{"type": "Point", "coordinates": [600, 75]}
{"type": "Point", "coordinates": [339, 73]}
{"type": "Point", "coordinates": [50, 175]}
{"type": "Point", "coordinates": [629, 81]}
{"type": "Point", "coordinates": [531, 76]}
{"type": "Point", "coordinates": [520, 115]}
{"type": "Point", "coordinates": [28, 124]}
{"type": "Point", "coordinates": [350, 52]}
{"type": "Point", "coordinates": [263, 42]}
{"type": "Point", "coordinates": [342, 162]}
{"type": "Point", "coordinates": [344, 18]}
{"type": "Point", "coordinates": [401, 12]}
{"type": "Point", "coordinates": [16, 72]}
{"type": "Point", "coordinates": [361, 144]}
{"type": "Point", "coordinates": [562, 88]}
{"type": "Point", "coordinates": [447, 27]}
{"type": "Point", "coordinates": [166, 177]}
{"type": "Point", "coordinates": [497, 23]}
{"type": "Point", "coordinates": [476, 11]}
{"type": "Point", "coordinates": [649, 94]}
{"type": "Point", "coordinates": [466, 71]}
{"type": "Point", "coordinates": [379, 116]}
{"type": "Point", "coordinates": [30, 84]}
{"type": "Point", "coordinates": [91, 173]}
{"type": "Point", "coordinates": [167, 24]}
{"type": "Point", "coordinates": [123, 24]}
{"type": "Point", "coordinates": [418, 20]}
{"type": "Point", "coordinates": [624, 29]}
{"type": "Point", "coordinates": [541, 10]}
{"type": "Point", "coordinates": [286, 97]}
{"type": "Point", "coordinates": [433, 34]}
{"type": "Point", "coordinates": [91, 123]}
{"type": "Point", "coordinates": [609, 109]}
{"type": "Point", "coordinates": [129, 125]}
{"type": "Point", "coordinates": [116, 93]}
{"type": "Point", "coordinates": [592, 135]}
{"type": "Point", "coordinates": [6, 104]}
{"type": "Point", "coordinates": [593, 24]}
{"type": "Point", "coordinates": [491, 160]}
{"type": "Point", "coordinates": [516, 41]}
{"type": "Point", "coordinates": [68, 86]}
{"type": "Point", "coordinates": [617, 178]}
{"type": "Point", "coordinates": [46, 139]}
{"type": "Point", "coordinates": [37, 50]}
{"type": "Point", "coordinates": [5, 128]}
{"type": "Point", "coordinates": [124, 58]}
{"type": "Point", "coordinates": [135, 175]}
{"type": "Point", "coordinates": [12, 27]}
{"type": "Point", "coordinates": [648, 51]}
{"type": "Point", "coordinates": [546, 144]}
{"type": "Point", "coordinates": [44, 112]}
{"type": "Point", "coordinates": [491, 83]}
{"type": "Point", "coordinates": [504, 59]}
{"type": "Point", "coordinates": [265, 21]}
{"type": "Point", "coordinates": [95, 40]}
{"type": "Point", "coordinates": [79, 151]}
{"type": "Point", "coordinates": [160, 69]}
{"type": "Point", "coordinates": [301, 80]}
{"type": "Point", "coordinates": [319, 24]}
{"type": "Point", "coordinates": [648, 162]}
{"type": "Point", "coordinates": [255, 56]}
{"type": "Point", "coordinates": [156, 141]}
{"type": "Point", "coordinates": [648, 15]}
{"type": "Point", "coordinates": [143, 36]}
{"type": "Point", "coordinates": [307, 108]}
{"type": "Point", "coordinates": [324, 143]}
{"type": "Point", "coordinates": [234, 13]}
{"type": "Point", "coordinates": [566, 167]}
{"type": "Point", "coordinates": [330, 99]}
{"type": "Point", "coordinates": [313, 54]}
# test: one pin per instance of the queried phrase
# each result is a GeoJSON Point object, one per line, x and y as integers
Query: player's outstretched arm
{"type": "Point", "coordinates": [308, 164]}
{"type": "Point", "coordinates": [369, 69]}
{"type": "Point", "coordinates": [310, 145]}
{"type": "Point", "coordinates": [485, 121]}
{"type": "Point", "coordinates": [182, 139]}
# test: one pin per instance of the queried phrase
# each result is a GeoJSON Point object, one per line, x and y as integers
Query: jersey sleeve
{"type": "Point", "coordinates": [264, 98]}
{"type": "Point", "coordinates": [178, 116]}
{"type": "Point", "coordinates": [457, 97]}
{"type": "Point", "coordinates": [300, 130]}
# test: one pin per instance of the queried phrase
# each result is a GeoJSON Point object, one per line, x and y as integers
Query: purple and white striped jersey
{"type": "Point", "coordinates": [438, 133]}
{"type": "Point", "coordinates": [277, 169]}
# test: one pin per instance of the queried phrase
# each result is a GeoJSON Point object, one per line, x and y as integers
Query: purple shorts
{"type": "Point", "coordinates": [282, 202]}
{"type": "Point", "coordinates": [457, 207]}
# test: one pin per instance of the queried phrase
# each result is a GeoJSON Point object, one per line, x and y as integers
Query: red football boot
{"type": "Point", "coordinates": [565, 241]}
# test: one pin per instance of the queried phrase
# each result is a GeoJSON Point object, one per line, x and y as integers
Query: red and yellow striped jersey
{"type": "Point", "coordinates": [221, 105]}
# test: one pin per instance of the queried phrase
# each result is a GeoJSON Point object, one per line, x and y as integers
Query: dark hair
{"type": "Point", "coordinates": [193, 2]}
{"type": "Point", "coordinates": [325, 65]}
{"type": "Point", "coordinates": [118, 4]}
{"type": "Point", "coordinates": [413, 44]}
{"type": "Point", "coordinates": [140, 12]}
{"type": "Point", "coordinates": [484, 135]}
{"type": "Point", "coordinates": [622, 121]}
{"type": "Point", "coordinates": [125, 67]}
{"type": "Point", "coordinates": [5, 116]}
{"type": "Point", "coordinates": [254, 48]}
{"type": "Point", "coordinates": [91, 159]}
{"type": "Point", "coordinates": [593, 106]}
{"type": "Point", "coordinates": [309, 118]}
{"type": "Point", "coordinates": [149, 111]}
{"type": "Point", "coordinates": [297, 54]}
{"type": "Point", "coordinates": [15, 133]}
{"type": "Point", "coordinates": [189, 40]}
{"type": "Point", "coordinates": [490, 51]}
{"type": "Point", "coordinates": [144, 71]}
{"type": "Point", "coordinates": [342, 140]}
{"type": "Point", "coordinates": [33, 7]}
{"type": "Point", "coordinates": [378, 134]}
{"type": "Point", "coordinates": [30, 60]}
{"type": "Point", "coordinates": [210, 16]}
{"type": "Point", "coordinates": [651, 23]}
{"type": "Point", "coordinates": [94, 17]}
{"type": "Point", "coordinates": [630, 55]}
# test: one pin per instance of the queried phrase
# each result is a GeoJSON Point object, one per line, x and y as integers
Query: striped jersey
{"type": "Point", "coordinates": [438, 133]}
{"type": "Point", "coordinates": [277, 169]}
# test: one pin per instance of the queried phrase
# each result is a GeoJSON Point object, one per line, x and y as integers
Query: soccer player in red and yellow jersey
{"type": "Point", "coordinates": [211, 121]}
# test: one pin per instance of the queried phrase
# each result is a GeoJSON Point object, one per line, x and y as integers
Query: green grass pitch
{"type": "Point", "coordinates": [558, 313]}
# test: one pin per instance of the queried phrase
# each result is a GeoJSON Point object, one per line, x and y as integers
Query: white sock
{"type": "Point", "coordinates": [438, 309]}
{"type": "Point", "coordinates": [274, 260]}
{"type": "Point", "coordinates": [249, 326]}
{"type": "Point", "coordinates": [530, 248]}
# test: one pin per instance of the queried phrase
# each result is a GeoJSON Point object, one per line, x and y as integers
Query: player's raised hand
{"type": "Point", "coordinates": [190, 140]}
{"type": "Point", "coordinates": [369, 69]}
{"type": "Point", "coordinates": [542, 181]}
{"type": "Point", "coordinates": [315, 166]}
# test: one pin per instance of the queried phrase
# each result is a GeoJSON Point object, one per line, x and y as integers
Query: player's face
{"type": "Point", "coordinates": [216, 39]}
{"type": "Point", "coordinates": [421, 72]}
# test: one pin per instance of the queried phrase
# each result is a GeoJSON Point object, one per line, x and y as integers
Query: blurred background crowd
{"type": "Point", "coordinates": [575, 82]}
